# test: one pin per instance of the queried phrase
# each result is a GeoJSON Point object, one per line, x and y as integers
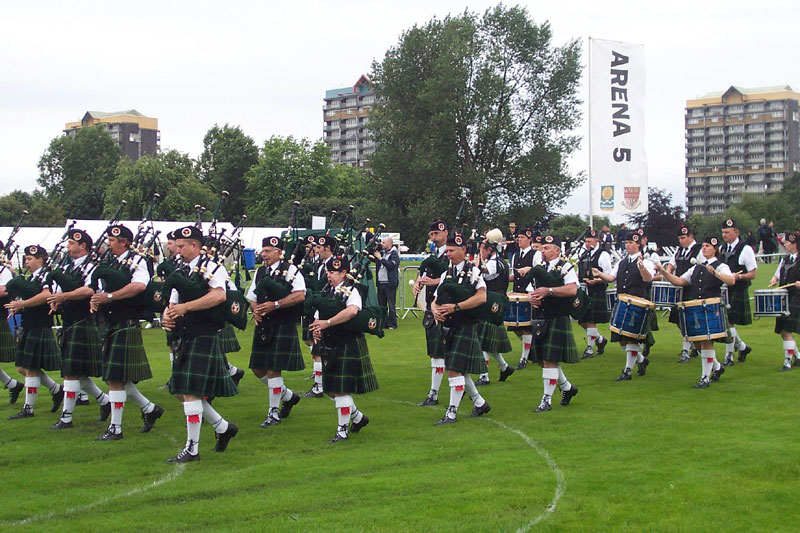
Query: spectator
{"type": "Point", "coordinates": [386, 279]}
{"type": "Point", "coordinates": [621, 234]}
{"type": "Point", "coordinates": [606, 239]}
{"type": "Point", "coordinates": [751, 241]}
{"type": "Point", "coordinates": [510, 241]}
{"type": "Point", "coordinates": [767, 239]}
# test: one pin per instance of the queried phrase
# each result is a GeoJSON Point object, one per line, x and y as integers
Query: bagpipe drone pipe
{"type": "Point", "coordinates": [574, 306]}
{"type": "Point", "coordinates": [451, 291]}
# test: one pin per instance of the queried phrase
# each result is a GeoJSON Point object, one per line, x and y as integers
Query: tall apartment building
{"type": "Point", "coordinates": [345, 117]}
{"type": "Point", "coordinates": [136, 134]}
{"type": "Point", "coordinates": [739, 141]}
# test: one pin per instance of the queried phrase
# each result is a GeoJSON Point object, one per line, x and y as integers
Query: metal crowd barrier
{"type": "Point", "coordinates": [401, 300]}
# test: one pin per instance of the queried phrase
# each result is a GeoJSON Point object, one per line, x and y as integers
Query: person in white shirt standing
{"type": "Point", "coordinates": [788, 273]}
{"type": "Point", "coordinates": [742, 261]}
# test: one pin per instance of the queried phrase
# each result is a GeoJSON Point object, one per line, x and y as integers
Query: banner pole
{"type": "Point", "coordinates": [591, 190]}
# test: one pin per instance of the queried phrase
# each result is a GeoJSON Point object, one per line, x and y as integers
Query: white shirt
{"type": "Point", "coordinates": [353, 299]}
{"type": "Point", "coordinates": [648, 265]}
{"type": "Point", "coordinates": [570, 275]}
{"type": "Point", "coordinates": [324, 263]}
{"type": "Point", "coordinates": [699, 257]}
{"type": "Point", "coordinates": [218, 280]}
{"type": "Point", "coordinates": [519, 255]}
{"type": "Point", "coordinates": [140, 273]}
{"type": "Point", "coordinates": [722, 268]}
{"type": "Point", "coordinates": [5, 276]}
{"type": "Point", "coordinates": [491, 267]}
{"type": "Point", "coordinates": [604, 261]}
{"type": "Point", "coordinates": [298, 283]}
{"type": "Point", "coordinates": [777, 270]}
{"type": "Point", "coordinates": [747, 258]}
{"type": "Point", "coordinates": [481, 284]}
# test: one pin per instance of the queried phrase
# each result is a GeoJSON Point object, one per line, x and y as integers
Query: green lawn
{"type": "Point", "coordinates": [649, 454]}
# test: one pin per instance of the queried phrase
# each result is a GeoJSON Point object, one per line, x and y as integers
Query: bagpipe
{"type": "Point", "coordinates": [453, 290]}
{"type": "Point", "coordinates": [574, 306]}
{"type": "Point", "coordinates": [10, 248]}
{"type": "Point", "coordinates": [370, 319]}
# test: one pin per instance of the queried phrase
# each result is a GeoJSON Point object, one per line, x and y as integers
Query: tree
{"type": "Point", "coordinates": [228, 154]}
{"type": "Point", "coordinates": [41, 210]}
{"type": "Point", "coordinates": [476, 104]}
{"type": "Point", "coordinates": [662, 219]}
{"type": "Point", "coordinates": [170, 174]}
{"type": "Point", "coordinates": [75, 170]}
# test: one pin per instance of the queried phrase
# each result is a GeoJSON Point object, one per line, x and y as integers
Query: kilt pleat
{"type": "Point", "coordinates": [791, 322]}
{"type": "Point", "coordinates": [558, 344]}
{"type": "Point", "coordinates": [81, 354]}
{"type": "Point", "coordinates": [494, 339]}
{"type": "Point", "coordinates": [124, 358]}
{"type": "Point", "coordinates": [739, 311]}
{"type": "Point", "coordinates": [8, 346]}
{"type": "Point", "coordinates": [228, 342]}
{"type": "Point", "coordinates": [433, 342]}
{"type": "Point", "coordinates": [202, 370]}
{"type": "Point", "coordinates": [464, 352]}
{"type": "Point", "coordinates": [353, 372]}
{"type": "Point", "coordinates": [282, 352]}
{"type": "Point", "coordinates": [597, 310]}
{"type": "Point", "coordinates": [38, 349]}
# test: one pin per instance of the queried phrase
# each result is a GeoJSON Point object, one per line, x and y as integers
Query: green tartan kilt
{"type": "Point", "coordinates": [201, 370]}
{"type": "Point", "coordinates": [494, 339]}
{"type": "Point", "coordinates": [124, 358]}
{"type": "Point", "coordinates": [38, 349]}
{"type": "Point", "coordinates": [739, 312]}
{"type": "Point", "coordinates": [81, 354]}
{"type": "Point", "coordinates": [280, 353]}
{"type": "Point", "coordinates": [434, 342]}
{"type": "Point", "coordinates": [8, 347]}
{"type": "Point", "coordinates": [228, 342]}
{"type": "Point", "coordinates": [791, 322]}
{"type": "Point", "coordinates": [352, 373]}
{"type": "Point", "coordinates": [558, 344]}
{"type": "Point", "coordinates": [597, 310]}
{"type": "Point", "coordinates": [463, 354]}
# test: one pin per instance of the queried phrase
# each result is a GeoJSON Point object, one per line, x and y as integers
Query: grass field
{"type": "Point", "coordinates": [652, 454]}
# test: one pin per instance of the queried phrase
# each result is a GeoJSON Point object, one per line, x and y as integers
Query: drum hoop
{"type": "Point", "coordinates": [635, 300]}
{"type": "Point", "coordinates": [702, 301]}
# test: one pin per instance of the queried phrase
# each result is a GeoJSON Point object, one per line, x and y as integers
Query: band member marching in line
{"type": "Point", "coordinates": [742, 261]}
{"type": "Point", "coordinates": [347, 368]}
{"type": "Point", "coordinates": [276, 346]}
{"type": "Point", "coordinates": [494, 339]}
{"type": "Point", "coordinates": [678, 265]}
{"type": "Point", "coordinates": [553, 342]}
{"type": "Point", "coordinates": [653, 257]}
{"type": "Point", "coordinates": [704, 280]}
{"type": "Point", "coordinates": [429, 278]}
{"type": "Point", "coordinates": [597, 312]}
{"type": "Point", "coordinates": [632, 275]}
{"type": "Point", "coordinates": [459, 332]}
{"type": "Point", "coordinates": [199, 370]}
{"type": "Point", "coordinates": [81, 353]}
{"type": "Point", "coordinates": [8, 345]}
{"type": "Point", "coordinates": [520, 264]}
{"type": "Point", "coordinates": [124, 359]}
{"type": "Point", "coordinates": [171, 261]}
{"type": "Point", "coordinates": [37, 350]}
{"type": "Point", "coordinates": [788, 275]}
{"type": "Point", "coordinates": [324, 247]}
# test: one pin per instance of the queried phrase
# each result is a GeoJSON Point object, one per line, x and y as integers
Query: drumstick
{"type": "Point", "coordinates": [785, 286]}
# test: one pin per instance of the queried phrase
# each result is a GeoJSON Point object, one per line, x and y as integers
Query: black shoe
{"type": "Point", "coordinates": [588, 353]}
{"type": "Point", "coordinates": [166, 385]}
{"type": "Point", "coordinates": [337, 438]}
{"type": "Point", "coordinates": [286, 408]}
{"type": "Point", "coordinates": [601, 346]}
{"type": "Point", "coordinates": [786, 368]}
{"type": "Point", "coordinates": [150, 418]}
{"type": "Point", "coordinates": [567, 395]}
{"type": "Point", "coordinates": [184, 457]}
{"type": "Point", "coordinates": [646, 350]}
{"type": "Point", "coordinates": [685, 358]}
{"type": "Point", "coordinates": [797, 361]}
{"type": "Point", "coordinates": [105, 411]}
{"type": "Point", "coordinates": [505, 373]}
{"type": "Point", "coordinates": [625, 376]}
{"type": "Point", "coordinates": [728, 359]}
{"type": "Point", "coordinates": [237, 377]}
{"type": "Point", "coordinates": [483, 380]}
{"type": "Point", "coordinates": [744, 353]}
{"type": "Point", "coordinates": [82, 402]}
{"type": "Point", "coordinates": [429, 400]}
{"type": "Point", "coordinates": [445, 420]}
{"type": "Point", "coordinates": [62, 425]}
{"type": "Point", "coordinates": [694, 353]}
{"type": "Point", "coordinates": [642, 367]}
{"type": "Point", "coordinates": [312, 375]}
{"type": "Point", "coordinates": [715, 375]}
{"type": "Point", "coordinates": [13, 392]}
{"type": "Point", "coordinates": [480, 411]}
{"type": "Point", "coordinates": [109, 435]}
{"type": "Point", "coordinates": [522, 364]}
{"type": "Point", "coordinates": [224, 438]}
{"type": "Point", "coordinates": [702, 384]}
{"type": "Point", "coordinates": [57, 399]}
{"type": "Point", "coordinates": [312, 394]}
{"type": "Point", "coordinates": [544, 406]}
{"type": "Point", "coordinates": [355, 427]}
{"type": "Point", "coordinates": [269, 422]}
{"type": "Point", "coordinates": [26, 412]}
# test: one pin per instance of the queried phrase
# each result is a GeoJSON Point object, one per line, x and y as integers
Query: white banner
{"type": "Point", "coordinates": [618, 166]}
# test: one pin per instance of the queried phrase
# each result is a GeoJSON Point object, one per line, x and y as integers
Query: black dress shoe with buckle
{"type": "Point", "coordinates": [601, 346]}
{"type": "Point", "coordinates": [57, 399]}
{"type": "Point", "coordinates": [13, 392]}
{"type": "Point", "coordinates": [625, 376]}
{"type": "Point", "coordinates": [237, 377]}
{"type": "Point", "coordinates": [429, 400]}
{"type": "Point", "coordinates": [544, 406]}
{"type": "Point", "coordinates": [522, 364]}
{"type": "Point", "coordinates": [184, 457]}
{"type": "Point", "coordinates": [715, 375]}
{"type": "Point", "coordinates": [313, 393]}
{"type": "Point", "coordinates": [151, 417]}
{"type": "Point", "coordinates": [568, 395]}
{"type": "Point", "coordinates": [744, 353]}
{"type": "Point", "coordinates": [483, 380]}
{"type": "Point", "coordinates": [588, 353]}
{"type": "Point", "coordinates": [355, 427]}
{"type": "Point", "coordinates": [684, 357]}
{"type": "Point", "coordinates": [642, 367]}
{"type": "Point", "coordinates": [445, 420]}
{"type": "Point", "coordinates": [505, 373]}
{"type": "Point", "coordinates": [62, 425]}
{"type": "Point", "coordinates": [480, 411]}
{"type": "Point", "coordinates": [286, 408]}
{"type": "Point", "coordinates": [224, 438]}
{"type": "Point", "coordinates": [269, 422]}
{"type": "Point", "coordinates": [786, 368]}
{"type": "Point", "coordinates": [341, 435]}
{"type": "Point", "coordinates": [84, 401]}
{"type": "Point", "coordinates": [702, 384]}
{"type": "Point", "coordinates": [105, 411]}
{"type": "Point", "coordinates": [108, 436]}
{"type": "Point", "coordinates": [26, 412]}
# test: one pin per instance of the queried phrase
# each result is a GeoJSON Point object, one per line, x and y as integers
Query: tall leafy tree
{"type": "Point", "coordinates": [476, 104]}
{"type": "Point", "coordinates": [42, 211]}
{"type": "Point", "coordinates": [75, 170]}
{"type": "Point", "coordinates": [228, 154]}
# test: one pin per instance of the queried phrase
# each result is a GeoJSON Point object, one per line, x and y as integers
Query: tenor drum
{"type": "Point", "coordinates": [771, 302]}
{"type": "Point", "coordinates": [518, 311]}
{"type": "Point", "coordinates": [631, 316]}
{"type": "Point", "coordinates": [665, 294]}
{"type": "Point", "coordinates": [702, 320]}
{"type": "Point", "coordinates": [611, 298]}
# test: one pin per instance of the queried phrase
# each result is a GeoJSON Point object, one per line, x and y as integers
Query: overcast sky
{"type": "Point", "coordinates": [265, 66]}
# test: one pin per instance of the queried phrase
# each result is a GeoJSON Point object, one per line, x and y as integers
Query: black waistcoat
{"type": "Point", "coordinates": [704, 284]}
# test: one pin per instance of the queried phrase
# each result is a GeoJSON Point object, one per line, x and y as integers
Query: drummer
{"type": "Point", "coordinates": [742, 261]}
{"type": "Point", "coordinates": [679, 264]}
{"type": "Point", "coordinates": [632, 275]}
{"type": "Point", "coordinates": [704, 280]}
{"type": "Point", "coordinates": [597, 312]}
{"type": "Point", "coordinates": [788, 273]}
{"type": "Point", "coordinates": [654, 258]}
{"type": "Point", "coordinates": [521, 263]}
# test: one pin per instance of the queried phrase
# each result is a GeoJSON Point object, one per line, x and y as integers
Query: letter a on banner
{"type": "Point", "coordinates": [618, 164]}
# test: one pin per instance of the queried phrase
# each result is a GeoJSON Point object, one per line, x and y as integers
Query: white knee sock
{"type": "Point", "coordinates": [275, 389]}
{"type": "Point", "coordinates": [7, 380]}
{"type": "Point", "coordinates": [738, 343]}
{"type": "Point", "coordinates": [48, 382]}
{"type": "Point", "coordinates": [219, 424]}
{"type": "Point", "coordinates": [788, 352]}
{"type": "Point", "coordinates": [526, 346]}
{"type": "Point", "coordinates": [232, 370]}
{"type": "Point", "coordinates": [708, 359]}
{"type": "Point", "coordinates": [457, 385]}
{"type": "Point", "coordinates": [687, 346]}
{"type": "Point", "coordinates": [472, 391]}
{"type": "Point", "coordinates": [563, 382]}
{"type": "Point", "coordinates": [500, 361]}
{"type": "Point", "coordinates": [437, 373]}
{"type": "Point", "coordinates": [32, 385]}
{"type": "Point", "coordinates": [71, 389]}
{"type": "Point", "coordinates": [194, 419]}
{"type": "Point", "coordinates": [549, 379]}
{"type": "Point", "coordinates": [592, 337]}
{"type": "Point", "coordinates": [632, 355]}
{"type": "Point", "coordinates": [318, 375]}
{"type": "Point", "coordinates": [344, 406]}
{"type": "Point", "coordinates": [140, 399]}
{"type": "Point", "coordinates": [117, 399]}
{"type": "Point", "coordinates": [89, 386]}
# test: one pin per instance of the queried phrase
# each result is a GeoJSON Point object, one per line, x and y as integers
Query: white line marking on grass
{"type": "Point", "coordinates": [178, 470]}
{"type": "Point", "coordinates": [561, 484]}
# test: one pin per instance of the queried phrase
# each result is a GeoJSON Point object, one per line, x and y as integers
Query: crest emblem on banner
{"type": "Point", "coordinates": [607, 198]}
{"type": "Point", "coordinates": [631, 200]}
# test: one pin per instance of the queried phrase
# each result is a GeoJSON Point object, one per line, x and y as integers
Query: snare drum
{"type": "Point", "coordinates": [518, 311]}
{"type": "Point", "coordinates": [631, 316]}
{"type": "Point", "coordinates": [665, 294]}
{"type": "Point", "coordinates": [702, 320]}
{"type": "Point", "coordinates": [771, 302]}
{"type": "Point", "coordinates": [611, 299]}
